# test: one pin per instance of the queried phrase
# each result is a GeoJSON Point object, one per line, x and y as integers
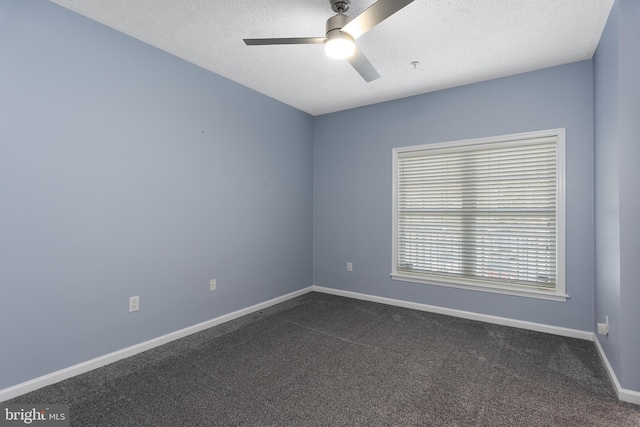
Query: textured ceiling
{"type": "Point", "coordinates": [455, 41]}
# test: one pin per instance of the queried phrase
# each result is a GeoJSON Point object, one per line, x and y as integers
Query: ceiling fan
{"type": "Point", "coordinates": [343, 30]}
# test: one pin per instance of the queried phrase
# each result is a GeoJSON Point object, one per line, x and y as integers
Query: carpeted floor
{"type": "Point", "coordinates": [323, 360]}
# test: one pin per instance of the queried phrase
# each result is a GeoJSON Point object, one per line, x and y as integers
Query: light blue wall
{"type": "Point", "coordinates": [617, 202]}
{"type": "Point", "coordinates": [617, 207]}
{"type": "Point", "coordinates": [126, 171]}
{"type": "Point", "coordinates": [353, 180]}
{"type": "Point", "coordinates": [607, 188]}
{"type": "Point", "coordinates": [629, 85]}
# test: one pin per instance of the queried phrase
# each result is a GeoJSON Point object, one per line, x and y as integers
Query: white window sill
{"type": "Point", "coordinates": [495, 288]}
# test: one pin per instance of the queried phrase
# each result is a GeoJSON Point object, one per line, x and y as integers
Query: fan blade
{"type": "Point", "coordinates": [298, 40]}
{"type": "Point", "coordinates": [375, 14]}
{"type": "Point", "coordinates": [363, 66]}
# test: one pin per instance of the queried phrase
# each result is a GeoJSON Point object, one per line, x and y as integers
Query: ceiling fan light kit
{"type": "Point", "coordinates": [339, 45]}
{"type": "Point", "coordinates": [342, 31]}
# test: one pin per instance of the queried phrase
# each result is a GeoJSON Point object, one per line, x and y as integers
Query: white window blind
{"type": "Point", "coordinates": [481, 214]}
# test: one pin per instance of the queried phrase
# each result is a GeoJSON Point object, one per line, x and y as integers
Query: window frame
{"type": "Point", "coordinates": [559, 294]}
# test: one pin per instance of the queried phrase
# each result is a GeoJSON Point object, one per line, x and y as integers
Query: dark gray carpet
{"type": "Point", "coordinates": [322, 360]}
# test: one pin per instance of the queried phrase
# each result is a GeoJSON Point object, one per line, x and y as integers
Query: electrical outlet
{"type": "Point", "coordinates": [134, 304]}
{"type": "Point", "coordinates": [603, 328]}
{"type": "Point", "coordinates": [212, 285]}
{"type": "Point", "coordinates": [349, 266]}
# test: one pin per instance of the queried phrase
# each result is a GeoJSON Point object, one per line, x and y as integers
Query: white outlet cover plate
{"type": "Point", "coordinates": [134, 304]}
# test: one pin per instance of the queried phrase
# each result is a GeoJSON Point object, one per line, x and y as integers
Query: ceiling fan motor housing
{"type": "Point", "coordinates": [337, 22]}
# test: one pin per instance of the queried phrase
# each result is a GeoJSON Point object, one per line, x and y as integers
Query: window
{"type": "Point", "coordinates": [484, 214]}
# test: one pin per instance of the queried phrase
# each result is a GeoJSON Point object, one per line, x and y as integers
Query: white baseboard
{"type": "Point", "coordinates": [89, 365]}
{"type": "Point", "coordinates": [624, 394]}
{"type": "Point", "coordinates": [539, 327]}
